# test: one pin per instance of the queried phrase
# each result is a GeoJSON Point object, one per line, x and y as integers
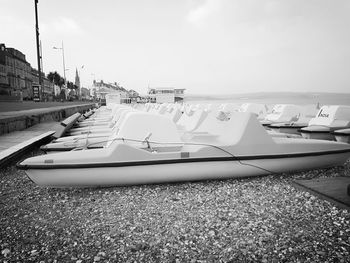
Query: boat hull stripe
{"type": "Point", "coordinates": [171, 161]}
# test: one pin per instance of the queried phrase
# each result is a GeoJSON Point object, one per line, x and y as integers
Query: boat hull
{"type": "Point", "coordinates": [342, 135]}
{"type": "Point", "coordinates": [288, 130]}
{"type": "Point", "coordinates": [104, 176]}
{"type": "Point", "coordinates": [318, 135]}
{"type": "Point", "coordinates": [342, 138]}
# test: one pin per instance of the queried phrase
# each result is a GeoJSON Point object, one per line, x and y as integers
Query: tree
{"type": "Point", "coordinates": [61, 82]}
{"type": "Point", "coordinates": [58, 81]}
{"type": "Point", "coordinates": [71, 85]}
{"type": "Point", "coordinates": [51, 76]}
{"type": "Point", "coordinates": [56, 78]}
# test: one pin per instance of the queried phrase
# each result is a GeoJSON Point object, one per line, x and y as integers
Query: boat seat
{"type": "Point", "coordinates": [188, 123]}
{"type": "Point", "coordinates": [333, 115]}
{"type": "Point", "coordinates": [161, 128]}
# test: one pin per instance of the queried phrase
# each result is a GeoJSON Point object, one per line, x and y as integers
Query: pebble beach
{"type": "Point", "coordinates": [265, 219]}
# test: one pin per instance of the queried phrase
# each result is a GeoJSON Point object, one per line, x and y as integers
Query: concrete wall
{"type": "Point", "coordinates": [26, 119]}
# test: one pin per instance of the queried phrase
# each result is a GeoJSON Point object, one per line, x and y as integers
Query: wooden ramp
{"type": "Point", "coordinates": [332, 189]}
{"type": "Point", "coordinates": [15, 143]}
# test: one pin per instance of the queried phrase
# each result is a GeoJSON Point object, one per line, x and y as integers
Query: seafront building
{"type": "Point", "coordinates": [47, 88]}
{"type": "Point", "coordinates": [19, 81]}
{"type": "Point", "coordinates": [15, 72]}
{"type": "Point", "coordinates": [100, 89]}
{"type": "Point", "coordinates": [166, 95]}
{"type": "Point", "coordinates": [17, 76]}
{"type": "Point", "coordinates": [85, 93]}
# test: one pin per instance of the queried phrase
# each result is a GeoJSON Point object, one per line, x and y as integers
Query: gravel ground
{"type": "Point", "coordinates": [258, 219]}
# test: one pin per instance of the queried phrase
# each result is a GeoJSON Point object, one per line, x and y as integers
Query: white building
{"type": "Point", "coordinates": [101, 89]}
{"type": "Point", "coordinates": [113, 98]}
{"type": "Point", "coordinates": [166, 95]}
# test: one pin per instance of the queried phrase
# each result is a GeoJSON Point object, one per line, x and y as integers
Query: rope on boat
{"type": "Point", "coordinates": [182, 143]}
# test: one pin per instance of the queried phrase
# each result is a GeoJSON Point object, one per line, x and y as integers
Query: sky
{"type": "Point", "coordinates": [203, 46]}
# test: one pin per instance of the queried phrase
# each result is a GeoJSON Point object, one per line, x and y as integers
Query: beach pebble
{"type": "Point", "coordinates": [262, 219]}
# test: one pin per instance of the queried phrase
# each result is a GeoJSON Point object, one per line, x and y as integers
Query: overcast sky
{"type": "Point", "coordinates": [204, 46]}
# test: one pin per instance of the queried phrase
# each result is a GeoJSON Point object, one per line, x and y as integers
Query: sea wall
{"type": "Point", "coordinates": [16, 121]}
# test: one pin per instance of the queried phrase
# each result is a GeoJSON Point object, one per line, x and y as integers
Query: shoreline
{"type": "Point", "coordinates": [274, 98]}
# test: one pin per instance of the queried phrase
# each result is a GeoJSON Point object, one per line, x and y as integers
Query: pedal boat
{"type": "Point", "coordinates": [101, 121]}
{"type": "Point", "coordinates": [318, 132]}
{"type": "Point", "coordinates": [229, 151]}
{"type": "Point", "coordinates": [99, 140]}
{"type": "Point", "coordinates": [342, 135]}
{"type": "Point", "coordinates": [101, 129]}
{"type": "Point", "coordinates": [149, 122]}
{"type": "Point", "coordinates": [302, 120]}
{"type": "Point", "coordinates": [289, 128]}
{"type": "Point", "coordinates": [327, 120]}
{"type": "Point", "coordinates": [281, 113]}
{"type": "Point", "coordinates": [260, 110]}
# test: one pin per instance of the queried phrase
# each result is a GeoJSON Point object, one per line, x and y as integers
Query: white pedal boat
{"type": "Point", "coordinates": [174, 114]}
{"type": "Point", "coordinates": [289, 128]}
{"type": "Point", "coordinates": [96, 132]}
{"type": "Point", "coordinates": [342, 135]}
{"type": "Point", "coordinates": [108, 121]}
{"type": "Point", "coordinates": [246, 150]}
{"type": "Point", "coordinates": [327, 120]}
{"type": "Point", "coordinates": [318, 132]}
{"type": "Point", "coordinates": [260, 110]}
{"type": "Point", "coordinates": [281, 113]}
{"type": "Point", "coordinates": [229, 107]}
{"type": "Point", "coordinates": [149, 122]}
{"type": "Point", "coordinates": [306, 114]}
{"type": "Point", "coordinates": [189, 123]}
{"type": "Point", "coordinates": [101, 129]}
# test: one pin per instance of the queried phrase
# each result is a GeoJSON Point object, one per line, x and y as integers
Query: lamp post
{"type": "Point", "coordinates": [37, 40]}
{"type": "Point", "coordinates": [64, 66]}
{"type": "Point", "coordinates": [38, 46]}
{"type": "Point", "coordinates": [65, 74]}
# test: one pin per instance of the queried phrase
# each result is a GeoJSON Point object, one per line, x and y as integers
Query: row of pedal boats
{"type": "Point", "coordinates": [160, 143]}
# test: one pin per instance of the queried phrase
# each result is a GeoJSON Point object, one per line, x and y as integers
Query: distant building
{"type": "Point", "coordinates": [77, 79]}
{"type": "Point", "coordinates": [134, 96]}
{"type": "Point", "coordinates": [77, 83]}
{"type": "Point", "coordinates": [113, 98]}
{"type": "Point", "coordinates": [165, 95]}
{"type": "Point", "coordinates": [17, 76]}
{"type": "Point", "coordinates": [15, 72]}
{"type": "Point", "coordinates": [85, 94]}
{"type": "Point", "coordinates": [4, 83]}
{"type": "Point", "coordinates": [47, 87]}
{"type": "Point", "coordinates": [101, 89]}
{"type": "Point", "coordinates": [179, 95]}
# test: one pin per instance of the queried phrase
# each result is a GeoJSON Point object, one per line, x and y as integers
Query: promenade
{"type": "Point", "coordinates": [23, 125]}
{"type": "Point", "coordinates": [31, 105]}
